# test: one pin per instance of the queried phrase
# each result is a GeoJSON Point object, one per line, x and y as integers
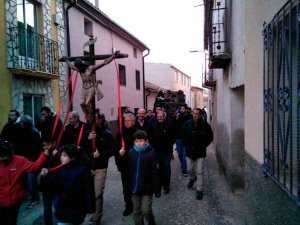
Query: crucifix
{"type": "Point", "coordinates": [88, 75]}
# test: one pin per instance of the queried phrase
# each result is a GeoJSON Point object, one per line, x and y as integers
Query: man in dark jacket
{"type": "Point", "coordinates": [47, 124]}
{"type": "Point", "coordinates": [99, 162]}
{"type": "Point", "coordinates": [121, 157]}
{"type": "Point", "coordinates": [71, 134]}
{"type": "Point", "coordinates": [30, 146]}
{"type": "Point", "coordinates": [141, 122]}
{"type": "Point", "coordinates": [11, 129]}
{"type": "Point", "coordinates": [179, 119]}
{"type": "Point", "coordinates": [197, 135]}
{"type": "Point", "coordinates": [162, 138]}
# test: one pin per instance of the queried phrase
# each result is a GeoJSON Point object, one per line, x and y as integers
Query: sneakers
{"type": "Point", "coordinates": [33, 204]}
{"type": "Point", "coordinates": [199, 195]}
{"type": "Point", "coordinates": [191, 183]}
{"type": "Point", "coordinates": [127, 211]}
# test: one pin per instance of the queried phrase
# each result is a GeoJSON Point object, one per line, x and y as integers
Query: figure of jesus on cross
{"type": "Point", "coordinates": [89, 83]}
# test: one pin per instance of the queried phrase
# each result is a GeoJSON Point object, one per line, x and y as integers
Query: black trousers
{"type": "Point", "coordinates": [9, 215]}
{"type": "Point", "coordinates": [126, 188]}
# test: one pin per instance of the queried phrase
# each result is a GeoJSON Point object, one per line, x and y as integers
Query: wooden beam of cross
{"type": "Point", "coordinates": [117, 55]}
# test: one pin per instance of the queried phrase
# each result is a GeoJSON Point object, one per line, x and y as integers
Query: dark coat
{"type": "Point", "coordinates": [74, 192]}
{"type": "Point", "coordinates": [105, 145]}
{"type": "Point", "coordinates": [196, 136]}
{"type": "Point", "coordinates": [46, 128]}
{"type": "Point", "coordinates": [178, 123]}
{"type": "Point", "coordinates": [143, 172]}
{"type": "Point", "coordinates": [71, 134]}
{"type": "Point", "coordinates": [29, 144]}
{"type": "Point", "coordinates": [162, 138]}
{"type": "Point", "coordinates": [146, 126]}
{"type": "Point", "coordinates": [11, 132]}
{"type": "Point", "coordinates": [122, 161]}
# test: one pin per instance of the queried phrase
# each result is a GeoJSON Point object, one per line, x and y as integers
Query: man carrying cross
{"type": "Point", "coordinates": [89, 83]}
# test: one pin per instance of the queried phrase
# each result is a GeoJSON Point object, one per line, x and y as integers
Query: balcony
{"type": "Point", "coordinates": [216, 33]}
{"type": "Point", "coordinates": [208, 80]}
{"type": "Point", "coordinates": [32, 54]}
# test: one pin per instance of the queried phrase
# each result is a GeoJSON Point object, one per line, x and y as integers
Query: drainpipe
{"type": "Point", "coordinates": [144, 98]}
{"type": "Point", "coordinates": [69, 45]}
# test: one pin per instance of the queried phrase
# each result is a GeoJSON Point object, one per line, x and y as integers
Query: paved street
{"type": "Point", "coordinates": [219, 206]}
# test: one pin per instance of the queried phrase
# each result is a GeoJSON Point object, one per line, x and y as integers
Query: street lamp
{"type": "Point", "coordinates": [198, 5]}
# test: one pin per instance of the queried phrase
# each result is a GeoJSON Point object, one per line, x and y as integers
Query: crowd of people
{"type": "Point", "coordinates": [72, 162]}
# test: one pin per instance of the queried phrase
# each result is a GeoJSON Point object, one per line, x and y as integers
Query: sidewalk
{"type": "Point", "coordinates": [219, 205]}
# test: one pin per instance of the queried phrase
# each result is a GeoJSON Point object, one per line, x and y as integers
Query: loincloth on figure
{"type": "Point", "coordinates": [89, 93]}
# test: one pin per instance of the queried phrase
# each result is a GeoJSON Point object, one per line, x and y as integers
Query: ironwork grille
{"type": "Point", "coordinates": [282, 98]}
{"type": "Point", "coordinates": [30, 50]}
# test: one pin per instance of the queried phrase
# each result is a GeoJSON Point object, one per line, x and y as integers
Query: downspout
{"type": "Point", "coordinates": [69, 45]}
{"type": "Point", "coordinates": [146, 98]}
{"type": "Point", "coordinates": [144, 78]}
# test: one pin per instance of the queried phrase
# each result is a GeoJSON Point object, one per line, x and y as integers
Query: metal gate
{"type": "Point", "coordinates": [281, 79]}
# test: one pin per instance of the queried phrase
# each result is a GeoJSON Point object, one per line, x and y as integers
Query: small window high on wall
{"type": "Point", "coordinates": [88, 27]}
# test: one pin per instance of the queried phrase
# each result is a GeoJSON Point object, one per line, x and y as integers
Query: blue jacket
{"type": "Point", "coordinates": [143, 172]}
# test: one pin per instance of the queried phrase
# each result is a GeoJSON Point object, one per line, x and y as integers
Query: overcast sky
{"type": "Point", "coordinates": [170, 28]}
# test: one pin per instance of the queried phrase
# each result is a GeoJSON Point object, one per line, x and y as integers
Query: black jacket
{"type": "Point", "coordinates": [178, 123]}
{"type": "Point", "coordinates": [127, 134]}
{"type": "Point", "coordinates": [105, 146]}
{"type": "Point", "coordinates": [196, 136]}
{"type": "Point", "coordinates": [162, 138]}
{"type": "Point", "coordinates": [71, 134]}
{"type": "Point", "coordinates": [74, 192]}
{"type": "Point", "coordinates": [143, 172]}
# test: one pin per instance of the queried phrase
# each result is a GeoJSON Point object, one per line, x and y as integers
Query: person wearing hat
{"type": "Point", "coordinates": [12, 191]}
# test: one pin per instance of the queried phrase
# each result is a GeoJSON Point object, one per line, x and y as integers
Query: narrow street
{"type": "Point", "coordinates": [219, 206]}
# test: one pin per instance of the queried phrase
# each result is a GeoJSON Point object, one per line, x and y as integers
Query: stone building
{"type": "Point", "coordinates": [31, 75]}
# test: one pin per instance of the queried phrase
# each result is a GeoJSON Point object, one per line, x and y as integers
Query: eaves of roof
{"type": "Point", "coordinates": [88, 9]}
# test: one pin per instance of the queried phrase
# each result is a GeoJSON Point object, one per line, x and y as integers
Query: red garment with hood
{"type": "Point", "coordinates": [11, 187]}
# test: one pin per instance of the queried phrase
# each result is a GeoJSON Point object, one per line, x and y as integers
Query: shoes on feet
{"type": "Point", "coordinates": [127, 211]}
{"type": "Point", "coordinates": [199, 195]}
{"type": "Point", "coordinates": [185, 174]}
{"type": "Point", "coordinates": [33, 204]}
{"type": "Point", "coordinates": [191, 183]}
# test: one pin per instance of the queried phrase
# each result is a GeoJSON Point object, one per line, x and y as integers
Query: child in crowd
{"type": "Point", "coordinates": [73, 187]}
{"type": "Point", "coordinates": [48, 194]}
{"type": "Point", "coordinates": [143, 178]}
{"type": "Point", "coordinates": [12, 191]}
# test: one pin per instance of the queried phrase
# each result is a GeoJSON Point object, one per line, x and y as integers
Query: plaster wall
{"type": "Point", "coordinates": [257, 12]}
{"type": "Point", "coordinates": [106, 41]}
{"type": "Point", "coordinates": [159, 74]}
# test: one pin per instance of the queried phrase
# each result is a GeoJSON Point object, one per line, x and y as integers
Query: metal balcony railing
{"type": "Point", "coordinates": [217, 33]}
{"type": "Point", "coordinates": [32, 51]}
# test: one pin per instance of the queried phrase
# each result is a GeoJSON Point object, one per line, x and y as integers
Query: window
{"type": "Point", "coordinates": [88, 27]}
{"type": "Point", "coordinates": [181, 75]}
{"type": "Point", "coordinates": [281, 100]}
{"type": "Point", "coordinates": [27, 27]}
{"type": "Point", "coordinates": [184, 80]}
{"type": "Point", "coordinates": [134, 52]}
{"type": "Point", "coordinates": [122, 74]}
{"type": "Point", "coordinates": [176, 76]}
{"type": "Point", "coordinates": [137, 80]}
{"type": "Point", "coordinates": [32, 106]}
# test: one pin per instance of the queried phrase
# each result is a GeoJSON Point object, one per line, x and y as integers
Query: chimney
{"type": "Point", "coordinates": [97, 4]}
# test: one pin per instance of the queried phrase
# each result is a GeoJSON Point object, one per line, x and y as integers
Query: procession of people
{"type": "Point", "coordinates": [73, 172]}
